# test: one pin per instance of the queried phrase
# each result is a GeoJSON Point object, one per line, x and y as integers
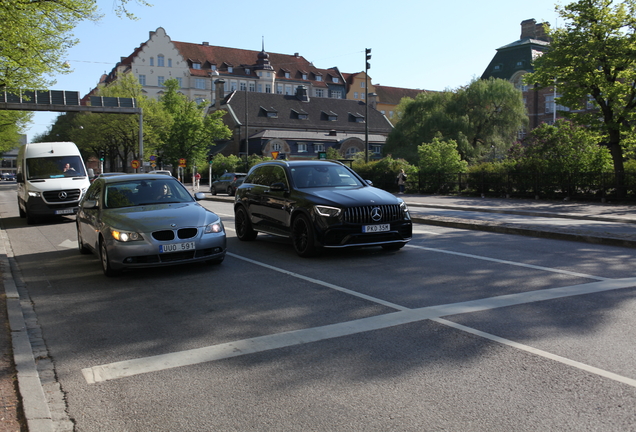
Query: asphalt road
{"type": "Point", "coordinates": [460, 330]}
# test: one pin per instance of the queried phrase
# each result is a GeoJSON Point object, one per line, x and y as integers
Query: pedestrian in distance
{"type": "Point", "coordinates": [401, 181]}
{"type": "Point", "coordinates": [197, 180]}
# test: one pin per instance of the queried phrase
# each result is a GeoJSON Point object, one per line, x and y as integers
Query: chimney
{"type": "Point", "coordinates": [333, 132]}
{"type": "Point", "coordinates": [220, 92]}
{"type": "Point", "coordinates": [528, 29]}
{"type": "Point", "coordinates": [205, 43]}
{"type": "Point", "coordinates": [372, 99]}
{"type": "Point", "coordinates": [301, 93]}
{"type": "Point", "coordinates": [541, 31]}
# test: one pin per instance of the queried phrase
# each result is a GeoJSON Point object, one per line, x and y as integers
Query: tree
{"type": "Point", "coordinates": [592, 59]}
{"type": "Point", "coordinates": [440, 156]}
{"type": "Point", "coordinates": [478, 117]}
{"type": "Point", "coordinates": [190, 132]}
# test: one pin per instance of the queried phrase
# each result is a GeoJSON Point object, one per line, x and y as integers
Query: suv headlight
{"type": "Point", "coordinates": [123, 236]}
{"type": "Point", "coordinates": [405, 210]}
{"type": "Point", "coordinates": [327, 211]}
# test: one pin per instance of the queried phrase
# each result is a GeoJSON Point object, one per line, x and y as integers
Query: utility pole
{"type": "Point", "coordinates": [367, 54]}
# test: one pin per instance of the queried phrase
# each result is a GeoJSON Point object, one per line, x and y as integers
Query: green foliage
{"type": "Point", "coordinates": [190, 133]}
{"type": "Point", "coordinates": [382, 172]}
{"type": "Point", "coordinates": [333, 154]}
{"type": "Point", "coordinates": [564, 147]}
{"type": "Point", "coordinates": [591, 58]}
{"type": "Point", "coordinates": [440, 156]}
{"type": "Point", "coordinates": [478, 117]}
{"type": "Point", "coordinates": [222, 164]}
{"type": "Point", "coordinates": [35, 36]}
{"type": "Point", "coordinates": [11, 123]}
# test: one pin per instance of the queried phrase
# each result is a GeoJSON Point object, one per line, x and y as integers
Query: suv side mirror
{"type": "Point", "coordinates": [278, 187]}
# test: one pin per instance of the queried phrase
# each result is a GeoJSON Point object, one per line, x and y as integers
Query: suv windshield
{"type": "Point", "coordinates": [323, 176]}
{"type": "Point", "coordinates": [55, 167]}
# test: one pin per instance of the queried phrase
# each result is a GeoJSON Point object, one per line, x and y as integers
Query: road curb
{"type": "Point", "coordinates": [529, 232]}
{"type": "Point", "coordinates": [34, 403]}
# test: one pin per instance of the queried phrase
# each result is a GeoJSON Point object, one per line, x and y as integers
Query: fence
{"type": "Point", "coordinates": [600, 186]}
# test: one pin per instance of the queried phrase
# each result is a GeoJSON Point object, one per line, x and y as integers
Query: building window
{"type": "Point", "coordinates": [199, 100]}
{"type": "Point", "coordinates": [355, 95]}
{"type": "Point", "coordinates": [382, 112]}
{"type": "Point", "coordinates": [230, 69]}
{"type": "Point", "coordinates": [196, 65]}
{"type": "Point", "coordinates": [362, 96]}
{"type": "Point", "coordinates": [335, 80]}
{"type": "Point", "coordinates": [169, 62]}
{"type": "Point", "coordinates": [160, 80]}
{"type": "Point", "coordinates": [288, 90]}
{"type": "Point", "coordinates": [233, 85]}
{"type": "Point", "coordinates": [268, 88]}
{"type": "Point", "coordinates": [243, 86]}
{"type": "Point", "coordinates": [376, 149]}
{"type": "Point", "coordinates": [304, 76]}
{"type": "Point", "coordinates": [213, 67]}
{"type": "Point", "coordinates": [199, 83]}
{"type": "Point", "coordinates": [252, 86]}
{"type": "Point", "coordinates": [279, 89]}
{"type": "Point", "coordinates": [361, 84]}
{"type": "Point", "coordinates": [336, 94]}
{"type": "Point", "coordinates": [142, 80]}
{"type": "Point", "coordinates": [152, 61]}
{"type": "Point", "coordinates": [247, 71]}
{"type": "Point", "coordinates": [351, 151]}
{"type": "Point", "coordinates": [286, 74]}
{"type": "Point", "coordinates": [302, 148]}
{"type": "Point", "coordinates": [180, 81]}
{"type": "Point", "coordinates": [318, 78]}
{"type": "Point", "coordinates": [160, 60]}
{"type": "Point", "coordinates": [320, 93]}
{"type": "Point", "coordinates": [390, 114]}
{"type": "Point", "coordinates": [277, 147]}
{"type": "Point", "coordinates": [319, 147]}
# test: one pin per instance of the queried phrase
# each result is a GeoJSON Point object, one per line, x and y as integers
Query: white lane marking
{"type": "Point", "coordinates": [319, 282]}
{"type": "Point", "coordinates": [132, 367]}
{"type": "Point", "coordinates": [421, 231]}
{"type": "Point", "coordinates": [496, 260]}
{"type": "Point", "coordinates": [538, 352]}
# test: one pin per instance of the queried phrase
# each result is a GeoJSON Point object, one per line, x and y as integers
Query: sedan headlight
{"type": "Point", "coordinates": [405, 210]}
{"type": "Point", "coordinates": [328, 211]}
{"type": "Point", "coordinates": [214, 227]}
{"type": "Point", "coordinates": [125, 236]}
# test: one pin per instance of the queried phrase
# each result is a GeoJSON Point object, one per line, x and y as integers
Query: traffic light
{"type": "Point", "coordinates": [101, 155]}
{"type": "Point", "coordinates": [367, 51]}
{"type": "Point", "coordinates": [209, 159]}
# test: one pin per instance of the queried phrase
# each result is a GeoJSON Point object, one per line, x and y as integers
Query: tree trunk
{"type": "Point", "coordinates": [617, 156]}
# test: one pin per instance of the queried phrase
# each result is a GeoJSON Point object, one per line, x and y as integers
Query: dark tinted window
{"type": "Point", "coordinates": [267, 175]}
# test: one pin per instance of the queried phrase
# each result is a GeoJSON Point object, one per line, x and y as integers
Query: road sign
{"type": "Point", "coordinates": [135, 164]}
{"type": "Point", "coordinates": [153, 158]}
{"type": "Point", "coordinates": [275, 155]}
{"type": "Point", "coordinates": [182, 163]}
{"type": "Point", "coordinates": [154, 165]}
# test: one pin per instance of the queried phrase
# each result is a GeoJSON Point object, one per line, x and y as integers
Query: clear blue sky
{"type": "Point", "coordinates": [415, 43]}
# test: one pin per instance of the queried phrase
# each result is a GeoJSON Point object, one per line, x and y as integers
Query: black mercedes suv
{"type": "Point", "coordinates": [319, 204]}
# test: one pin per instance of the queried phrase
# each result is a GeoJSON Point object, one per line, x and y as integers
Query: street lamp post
{"type": "Point", "coordinates": [367, 53]}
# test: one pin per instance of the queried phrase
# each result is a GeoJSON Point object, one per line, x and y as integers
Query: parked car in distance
{"type": "Point", "coordinates": [227, 183]}
{"type": "Point", "coordinates": [165, 172]}
{"type": "Point", "coordinates": [8, 176]}
{"type": "Point", "coordinates": [319, 204]}
{"type": "Point", "coordinates": [146, 220]}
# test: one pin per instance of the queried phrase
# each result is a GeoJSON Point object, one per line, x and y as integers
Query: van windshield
{"type": "Point", "coordinates": [55, 167]}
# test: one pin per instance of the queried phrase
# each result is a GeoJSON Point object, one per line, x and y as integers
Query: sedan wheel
{"type": "Point", "coordinates": [213, 190]}
{"type": "Point", "coordinates": [230, 191]}
{"type": "Point", "coordinates": [243, 225]}
{"type": "Point", "coordinates": [303, 237]}
{"type": "Point", "coordinates": [103, 254]}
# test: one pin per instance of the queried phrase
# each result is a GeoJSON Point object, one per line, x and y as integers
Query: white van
{"type": "Point", "coordinates": [51, 179]}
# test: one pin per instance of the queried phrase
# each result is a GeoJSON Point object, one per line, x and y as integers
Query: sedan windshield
{"type": "Point", "coordinates": [323, 176]}
{"type": "Point", "coordinates": [145, 192]}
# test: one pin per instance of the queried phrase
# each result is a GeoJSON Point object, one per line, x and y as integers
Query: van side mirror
{"type": "Point", "coordinates": [19, 178]}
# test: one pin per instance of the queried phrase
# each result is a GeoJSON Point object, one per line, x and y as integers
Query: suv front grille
{"type": "Point", "coordinates": [61, 196]}
{"type": "Point", "coordinates": [362, 215]}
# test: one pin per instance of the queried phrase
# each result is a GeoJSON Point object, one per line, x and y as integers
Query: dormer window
{"type": "Point", "coordinates": [304, 76]}
{"type": "Point", "coordinates": [335, 80]}
{"type": "Point", "coordinates": [230, 69]}
{"type": "Point", "coordinates": [318, 77]}
{"type": "Point", "coordinates": [300, 114]}
{"type": "Point", "coordinates": [213, 67]}
{"type": "Point", "coordinates": [330, 115]}
{"type": "Point", "coordinates": [286, 74]}
{"type": "Point", "coordinates": [357, 117]}
{"type": "Point", "coordinates": [270, 112]}
{"type": "Point", "coordinates": [196, 65]}
{"type": "Point", "coordinates": [248, 71]}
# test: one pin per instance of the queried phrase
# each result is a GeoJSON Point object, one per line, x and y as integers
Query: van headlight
{"type": "Point", "coordinates": [124, 236]}
{"type": "Point", "coordinates": [34, 194]}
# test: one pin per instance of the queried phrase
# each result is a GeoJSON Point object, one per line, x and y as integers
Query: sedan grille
{"type": "Point", "coordinates": [167, 235]}
{"type": "Point", "coordinates": [364, 215]}
{"type": "Point", "coordinates": [61, 196]}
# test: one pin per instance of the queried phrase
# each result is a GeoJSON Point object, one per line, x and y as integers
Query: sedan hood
{"type": "Point", "coordinates": [354, 197]}
{"type": "Point", "coordinates": [156, 217]}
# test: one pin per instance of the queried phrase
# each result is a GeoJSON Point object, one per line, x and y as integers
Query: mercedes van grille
{"type": "Point", "coordinates": [60, 196]}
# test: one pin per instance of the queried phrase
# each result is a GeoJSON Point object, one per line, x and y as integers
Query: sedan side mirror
{"type": "Point", "coordinates": [370, 183]}
{"type": "Point", "coordinates": [199, 196]}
